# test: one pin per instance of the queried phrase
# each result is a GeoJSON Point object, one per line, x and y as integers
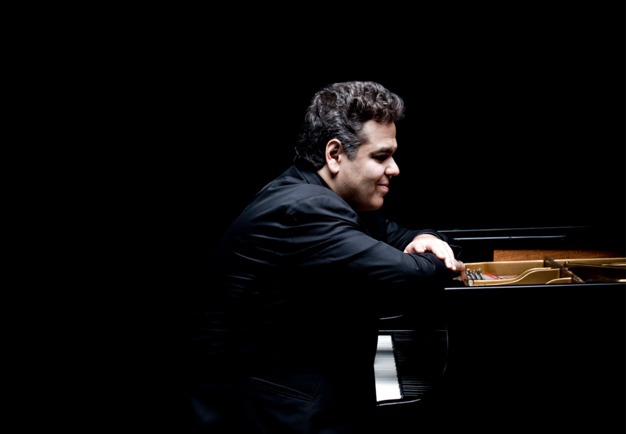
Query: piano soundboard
{"type": "Point", "coordinates": [546, 272]}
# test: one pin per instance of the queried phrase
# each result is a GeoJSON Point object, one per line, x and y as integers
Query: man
{"type": "Point", "coordinates": [284, 337]}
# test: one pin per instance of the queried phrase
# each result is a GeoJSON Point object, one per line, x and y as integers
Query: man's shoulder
{"type": "Point", "coordinates": [294, 195]}
{"type": "Point", "coordinates": [297, 185]}
{"type": "Point", "coordinates": [297, 196]}
{"type": "Point", "coordinates": [313, 200]}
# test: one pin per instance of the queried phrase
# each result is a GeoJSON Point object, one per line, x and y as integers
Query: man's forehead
{"type": "Point", "coordinates": [375, 132]}
{"type": "Point", "coordinates": [380, 144]}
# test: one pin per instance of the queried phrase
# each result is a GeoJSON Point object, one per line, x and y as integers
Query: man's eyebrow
{"type": "Point", "coordinates": [383, 150]}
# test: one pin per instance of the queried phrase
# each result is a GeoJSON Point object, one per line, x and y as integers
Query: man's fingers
{"type": "Point", "coordinates": [439, 248]}
{"type": "Point", "coordinates": [415, 248]}
{"type": "Point", "coordinates": [444, 252]}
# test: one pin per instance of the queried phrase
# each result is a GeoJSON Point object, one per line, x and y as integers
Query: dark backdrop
{"type": "Point", "coordinates": [515, 118]}
{"type": "Point", "coordinates": [503, 133]}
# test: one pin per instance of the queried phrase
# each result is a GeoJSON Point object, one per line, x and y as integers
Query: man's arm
{"type": "Point", "coordinates": [400, 237]}
{"type": "Point", "coordinates": [421, 241]}
{"type": "Point", "coordinates": [429, 243]}
{"type": "Point", "coordinates": [323, 230]}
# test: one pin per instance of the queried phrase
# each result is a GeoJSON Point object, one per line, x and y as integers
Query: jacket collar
{"type": "Point", "coordinates": [311, 177]}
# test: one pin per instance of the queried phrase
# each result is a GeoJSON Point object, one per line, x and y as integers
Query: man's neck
{"type": "Point", "coordinates": [325, 174]}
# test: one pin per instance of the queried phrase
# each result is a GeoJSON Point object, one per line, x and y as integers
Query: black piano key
{"type": "Point", "coordinates": [420, 360]}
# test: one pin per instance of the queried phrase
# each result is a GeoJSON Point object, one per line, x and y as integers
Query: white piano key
{"type": "Point", "coordinates": [387, 386]}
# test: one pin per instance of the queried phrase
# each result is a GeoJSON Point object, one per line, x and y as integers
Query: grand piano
{"type": "Point", "coordinates": [532, 340]}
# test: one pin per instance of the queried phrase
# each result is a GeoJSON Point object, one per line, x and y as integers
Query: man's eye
{"type": "Point", "coordinates": [380, 157]}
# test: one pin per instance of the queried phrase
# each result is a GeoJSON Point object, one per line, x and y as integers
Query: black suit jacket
{"type": "Point", "coordinates": [286, 329]}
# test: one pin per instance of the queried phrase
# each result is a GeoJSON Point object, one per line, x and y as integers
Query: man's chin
{"type": "Point", "coordinates": [372, 206]}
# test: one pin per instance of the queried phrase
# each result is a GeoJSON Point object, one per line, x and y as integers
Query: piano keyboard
{"type": "Point", "coordinates": [387, 386]}
{"type": "Point", "coordinates": [407, 365]}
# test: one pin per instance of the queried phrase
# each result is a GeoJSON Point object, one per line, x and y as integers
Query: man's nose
{"type": "Point", "coordinates": [392, 168]}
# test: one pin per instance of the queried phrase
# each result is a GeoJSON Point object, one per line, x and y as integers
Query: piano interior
{"type": "Point", "coordinates": [546, 272]}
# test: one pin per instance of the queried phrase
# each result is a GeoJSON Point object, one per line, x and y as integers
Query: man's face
{"type": "Point", "coordinates": [364, 181]}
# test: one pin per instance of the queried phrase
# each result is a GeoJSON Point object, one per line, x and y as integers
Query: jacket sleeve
{"type": "Point", "coordinates": [325, 233]}
{"type": "Point", "coordinates": [400, 237]}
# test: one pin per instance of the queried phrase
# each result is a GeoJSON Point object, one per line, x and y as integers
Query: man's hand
{"type": "Point", "coordinates": [441, 249]}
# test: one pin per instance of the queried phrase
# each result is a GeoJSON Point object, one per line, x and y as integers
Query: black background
{"type": "Point", "coordinates": [515, 118]}
{"type": "Point", "coordinates": [517, 123]}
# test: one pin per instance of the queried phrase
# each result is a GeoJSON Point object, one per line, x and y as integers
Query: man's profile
{"type": "Point", "coordinates": [284, 333]}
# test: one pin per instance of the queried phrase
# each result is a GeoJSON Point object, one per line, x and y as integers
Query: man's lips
{"type": "Point", "coordinates": [384, 186]}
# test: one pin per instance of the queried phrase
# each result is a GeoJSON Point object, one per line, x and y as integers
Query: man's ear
{"type": "Point", "coordinates": [334, 153]}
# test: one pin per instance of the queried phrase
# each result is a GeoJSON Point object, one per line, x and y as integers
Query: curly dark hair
{"type": "Point", "coordinates": [339, 111]}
